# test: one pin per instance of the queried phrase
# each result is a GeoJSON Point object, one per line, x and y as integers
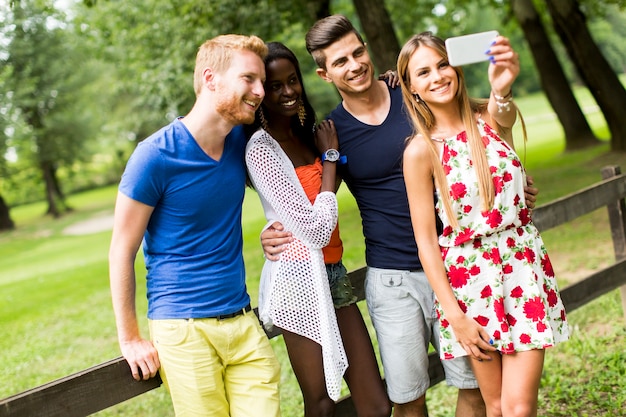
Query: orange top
{"type": "Point", "coordinates": [310, 177]}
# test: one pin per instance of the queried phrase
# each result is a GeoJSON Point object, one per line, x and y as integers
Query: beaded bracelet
{"type": "Point", "coordinates": [503, 102]}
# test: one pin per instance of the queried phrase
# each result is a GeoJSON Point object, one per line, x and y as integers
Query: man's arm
{"type": "Point", "coordinates": [530, 192]}
{"type": "Point", "coordinates": [272, 239]}
{"type": "Point", "coordinates": [131, 220]}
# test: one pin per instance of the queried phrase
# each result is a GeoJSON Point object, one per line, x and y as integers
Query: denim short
{"type": "Point", "coordinates": [340, 285]}
{"type": "Point", "coordinates": [402, 307]}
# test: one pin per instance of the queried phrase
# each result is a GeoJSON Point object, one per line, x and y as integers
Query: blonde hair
{"type": "Point", "coordinates": [423, 121]}
{"type": "Point", "coordinates": [217, 53]}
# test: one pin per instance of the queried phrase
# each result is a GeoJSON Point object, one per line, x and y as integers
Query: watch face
{"type": "Point", "coordinates": [331, 155]}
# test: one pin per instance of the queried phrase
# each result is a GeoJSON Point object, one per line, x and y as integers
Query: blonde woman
{"type": "Point", "coordinates": [496, 294]}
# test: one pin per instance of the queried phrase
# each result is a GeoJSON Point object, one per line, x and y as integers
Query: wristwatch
{"type": "Point", "coordinates": [331, 155]}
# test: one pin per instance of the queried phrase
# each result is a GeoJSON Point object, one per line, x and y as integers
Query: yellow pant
{"type": "Point", "coordinates": [218, 368]}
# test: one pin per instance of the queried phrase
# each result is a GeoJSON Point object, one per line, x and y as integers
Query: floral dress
{"type": "Point", "coordinates": [496, 261]}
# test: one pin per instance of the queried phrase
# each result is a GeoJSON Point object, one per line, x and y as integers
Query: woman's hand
{"type": "Point", "coordinates": [504, 67]}
{"type": "Point", "coordinates": [472, 337]}
{"type": "Point", "coordinates": [326, 136]}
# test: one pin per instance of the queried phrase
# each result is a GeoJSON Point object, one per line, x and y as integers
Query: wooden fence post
{"type": "Point", "coordinates": [617, 219]}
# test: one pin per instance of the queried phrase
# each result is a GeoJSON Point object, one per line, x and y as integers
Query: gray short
{"type": "Point", "coordinates": [402, 307]}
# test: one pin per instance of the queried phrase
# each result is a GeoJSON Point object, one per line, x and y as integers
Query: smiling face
{"type": "Point", "coordinates": [239, 89]}
{"type": "Point", "coordinates": [432, 77]}
{"type": "Point", "coordinates": [348, 65]}
{"type": "Point", "coordinates": [283, 89]}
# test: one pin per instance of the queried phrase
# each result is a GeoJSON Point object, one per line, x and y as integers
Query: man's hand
{"type": "Point", "coordinates": [142, 357]}
{"type": "Point", "coordinates": [530, 192]}
{"type": "Point", "coordinates": [272, 239]}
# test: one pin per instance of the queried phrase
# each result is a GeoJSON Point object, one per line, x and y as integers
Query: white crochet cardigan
{"type": "Point", "coordinates": [294, 293]}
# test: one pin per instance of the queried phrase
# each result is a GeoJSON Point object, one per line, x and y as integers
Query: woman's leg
{"type": "Point", "coordinates": [521, 370]}
{"type": "Point", "coordinates": [305, 356]}
{"type": "Point", "coordinates": [362, 376]}
{"type": "Point", "coordinates": [489, 377]}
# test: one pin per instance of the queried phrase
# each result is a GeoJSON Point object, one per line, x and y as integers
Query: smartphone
{"type": "Point", "coordinates": [469, 49]}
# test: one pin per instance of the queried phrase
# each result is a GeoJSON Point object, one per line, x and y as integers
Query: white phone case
{"type": "Point", "coordinates": [469, 49]}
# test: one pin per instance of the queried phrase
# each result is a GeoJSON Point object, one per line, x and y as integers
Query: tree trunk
{"type": "Point", "coordinates": [593, 68]}
{"type": "Point", "coordinates": [379, 32]}
{"type": "Point", "coordinates": [56, 201]}
{"type": "Point", "coordinates": [5, 219]}
{"type": "Point", "coordinates": [578, 134]}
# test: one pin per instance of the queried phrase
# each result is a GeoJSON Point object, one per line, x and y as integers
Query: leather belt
{"type": "Point", "coordinates": [239, 312]}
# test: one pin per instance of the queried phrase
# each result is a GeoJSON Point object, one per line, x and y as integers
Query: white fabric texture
{"type": "Point", "coordinates": [294, 293]}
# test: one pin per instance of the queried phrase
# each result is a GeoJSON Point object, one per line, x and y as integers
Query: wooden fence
{"type": "Point", "coordinates": [111, 383]}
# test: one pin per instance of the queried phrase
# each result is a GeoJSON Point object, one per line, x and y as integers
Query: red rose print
{"type": "Point", "coordinates": [524, 338]}
{"type": "Point", "coordinates": [495, 256]}
{"type": "Point", "coordinates": [486, 292]}
{"type": "Point", "coordinates": [498, 184]}
{"type": "Point", "coordinates": [519, 256]}
{"type": "Point", "coordinates": [524, 215]}
{"type": "Point", "coordinates": [498, 306]}
{"type": "Point", "coordinates": [502, 154]}
{"type": "Point", "coordinates": [447, 231]}
{"type": "Point", "coordinates": [517, 292]}
{"type": "Point", "coordinates": [508, 348]}
{"type": "Point", "coordinates": [541, 327]}
{"type": "Point", "coordinates": [546, 265]}
{"type": "Point", "coordinates": [458, 190]}
{"type": "Point", "coordinates": [460, 260]}
{"type": "Point", "coordinates": [516, 199]}
{"type": "Point", "coordinates": [496, 335]}
{"type": "Point", "coordinates": [482, 320]}
{"type": "Point", "coordinates": [468, 208]}
{"type": "Point", "coordinates": [458, 276]}
{"type": "Point", "coordinates": [510, 242]}
{"type": "Point", "coordinates": [511, 320]}
{"type": "Point", "coordinates": [507, 177]}
{"type": "Point", "coordinates": [516, 163]}
{"type": "Point", "coordinates": [529, 254]}
{"type": "Point", "coordinates": [495, 218]}
{"type": "Point", "coordinates": [534, 309]}
{"type": "Point", "coordinates": [445, 323]}
{"type": "Point", "coordinates": [462, 306]}
{"type": "Point", "coordinates": [464, 236]}
{"type": "Point", "coordinates": [447, 355]}
{"type": "Point", "coordinates": [552, 298]}
{"type": "Point", "coordinates": [507, 269]}
{"type": "Point", "coordinates": [504, 326]}
{"type": "Point", "coordinates": [474, 270]}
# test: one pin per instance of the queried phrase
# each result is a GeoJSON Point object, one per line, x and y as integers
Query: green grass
{"type": "Point", "coordinates": [56, 316]}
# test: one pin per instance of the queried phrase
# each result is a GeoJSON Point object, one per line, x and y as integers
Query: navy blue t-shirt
{"type": "Point", "coordinates": [373, 174]}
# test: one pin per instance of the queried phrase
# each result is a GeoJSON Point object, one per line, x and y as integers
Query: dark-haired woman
{"type": "Point", "coordinates": [306, 293]}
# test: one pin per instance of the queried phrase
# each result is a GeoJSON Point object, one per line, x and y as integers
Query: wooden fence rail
{"type": "Point", "coordinates": [111, 383]}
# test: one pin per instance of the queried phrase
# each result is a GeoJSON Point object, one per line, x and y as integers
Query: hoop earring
{"type": "Point", "coordinates": [262, 119]}
{"type": "Point", "coordinates": [301, 113]}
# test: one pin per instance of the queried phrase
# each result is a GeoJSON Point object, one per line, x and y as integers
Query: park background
{"type": "Point", "coordinates": [83, 82]}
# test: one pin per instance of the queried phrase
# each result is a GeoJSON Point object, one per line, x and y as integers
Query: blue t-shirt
{"type": "Point", "coordinates": [373, 174]}
{"type": "Point", "coordinates": [193, 242]}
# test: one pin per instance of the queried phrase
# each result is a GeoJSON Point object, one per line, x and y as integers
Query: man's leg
{"type": "Point", "coordinates": [402, 310]}
{"type": "Point", "coordinates": [415, 408]}
{"type": "Point", "coordinates": [252, 371]}
{"type": "Point", "coordinates": [190, 368]}
{"type": "Point", "coordinates": [470, 403]}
